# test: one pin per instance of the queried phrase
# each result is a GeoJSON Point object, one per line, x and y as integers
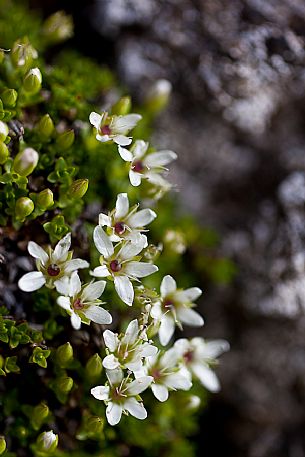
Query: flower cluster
{"type": "Point", "coordinates": [132, 360]}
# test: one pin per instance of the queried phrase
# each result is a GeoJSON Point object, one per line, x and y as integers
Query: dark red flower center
{"type": "Point", "coordinates": [119, 228]}
{"type": "Point", "coordinates": [188, 356]}
{"type": "Point", "coordinates": [138, 166]}
{"type": "Point", "coordinates": [78, 304]}
{"type": "Point", "coordinates": [168, 304]}
{"type": "Point", "coordinates": [156, 374]}
{"type": "Point", "coordinates": [53, 270]}
{"type": "Point", "coordinates": [115, 265]}
{"type": "Point", "coordinates": [105, 130]}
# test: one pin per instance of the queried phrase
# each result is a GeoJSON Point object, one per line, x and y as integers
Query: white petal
{"type": "Point", "coordinates": [76, 321]}
{"type": "Point", "coordinates": [31, 281]}
{"type": "Point", "coordinates": [75, 284]}
{"type": "Point", "coordinates": [75, 264]}
{"type": "Point", "coordinates": [131, 333]}
{"type": "Point", "coordinates": [141, 218]}
{"type": "Point", "coordinates": [64, 302]}
{"type": "Point", "coordinates": [170, 358]}
{"type": "Point", "coordinates": [135, 178]}
{"type": "Point", "coordinates": [110, 362]}
{"type": "Point", "coordinates": [93, 290]}
{"type": "Point", "coordinates": [189, 295]}
{"type": "Point", "coordinates": [100, 392]}
{"type": "Point", "coordinates": [113, 413]}
{"type": "Point", "coordinates": [103, 219]}
{"type": "Point", "coordinates": [124, 289]}
{"type": "Point", "coordinates": [95, 119]}
{"type": "Point", "coordinates": [102, 242]}
{"type": "Point", "coordinates": [139, 148]}
{"type": "Point", "coordinates": [61, 249]}
{"type": "Point", "coordinates": [115, 376]}
{"type": "Point", "coordinates": [103, 138]}
{"type": "Point", "coordinates": [63, 285]}
{"type": "Point", "coordinates": [134, 365]}
{"type": "Point", "coordinates": [97, 314]}
{"type": "Point", "coordinates": [100, 272]}
{"type": "Point", "coordinates": [156, 310]}
{"type": "Point", "coordinates": [147, 350]}
{"type": "Point", "coordinates": [121, 206]}
{"type": "Point", "coordinates": [166, 329]}
{"type": "Point", "coordinates": [131, 249]}
{"type": "Point", "coordinates": [182, 345]}
{"type": "Point", "coordinates": [111, 340]}
{"type": "Point", "coordinates": [139, 269]}
{"type": "Point", "coordinates": [190, 317]}
{"type": "Point", "coordinates": [37, 252]}
{"type": "Point", "coordinates": [217, 347]}
{"type": "Point", "coordinates": [122, 140]}
{"type": "Point", "coordinates": [168, 286]}
{"type": "Point", "coordinates": [206, 376]}
{"type": "Point", "coordinates": [125, 154]}
{"type": "Point", "coordinates": [135, 408]}
{"type": "Point", "coordinates": [139, 385]}
{"type": "Point", "coordinates": [160, 158]}
{"type": "Point", "coordinates": [157, 180]}
{"type": "Point", "coordinates": [177, 381]}
{"type": "Point", "coordinates": [123, 124]}
{"type": "Point", "coordinates": [160, 391]}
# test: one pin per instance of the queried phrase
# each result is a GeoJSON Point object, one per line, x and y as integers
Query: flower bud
{"type": "Point", "coordinates": [78, 188]}
{"type": "Point", "coordinates": [47, 441]}
{"type": "Point", "coordinates": [32, 81]}
{"type": "Point", "coordinates": [65, 140]}
{"type": "Point", "coordinates": [40, 412]}
{"type": "Point", "coordinates": [94, 366]}
{"type": "Point", "coordinates": [45, 127]}
{"type": "Point", "coordinates": [45, 199]}
{"type": "Point", "coordinates": [23, 208]}
{"type": "Point", "coordinates": [4, 153]}
{"type": "Point", "coordinates": [64, 354]}
{"type": "Point", "coordinates": [22, 54]}
{"type": "Point", "coordinates": [58, 27]}
{"type": "Point", "coordinates": [158, 95]}
{"type": "Point", "coordinates": [94, 425]}
{"type": "Point", "coordinates": [64, 384]}
{"type": "Point", "coordinates": [2, 445]}
{"type": "Point", "coordinates": [25, 161]}
{"type": "Point", "coordinates": [122, 106]}
{"type": "Point", "coordinates": [9, 97]}
{"type": "Point", "coordinates": [3, 131]}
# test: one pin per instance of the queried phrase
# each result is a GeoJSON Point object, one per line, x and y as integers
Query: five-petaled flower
{"type": "Point", "coordinates": [53, 266]}
{"type": "Point", "coordinates": [148, 166]}
{"type": "Point", "coordinates": [121, 396]}
{"type": "Point", "coordinates": [81, 302]}
{"type": "Point", "coordinates": [175, 307]}
{"type": "Point", "coordinates": [167, 374]}
{"type": "Point", "coordinates": [121, 263]}
{"type": "Point", "coordinates": [114, 128]}
{"type": "Point", "coordinates": [126, 223]}
{"type": "Point", "coordinates": [198, 355]}
{"type": "Point", "coordinates": [129, 349]}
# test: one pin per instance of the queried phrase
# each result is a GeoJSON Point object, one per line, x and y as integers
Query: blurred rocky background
{"type": "Point", "coordinates": [237, 122]}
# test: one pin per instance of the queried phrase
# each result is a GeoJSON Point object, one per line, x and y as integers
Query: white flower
{"type": "Point", "coordinates": [175, 307]}
{"type": "Point", "coordinates": [126, 223]}
{"type": "Point", "coordinates": [121, 263]}
{"type": "Point", "coordinates": [53, 266]}
{"type": "Point", "coordinates": [148, 166]}
{"type": "Point", "coordinates": [127, 350]}
{"type": "Point", "coordinates": [199, 355]}
{"type": "Point", "coordinates": [120, 395]}
{"type": "Point", "coordinates": [82, 303]}
{"type": "Point", "coordinates": [114, 128]}
{"type": "Point", "coordinates": [164, 369]}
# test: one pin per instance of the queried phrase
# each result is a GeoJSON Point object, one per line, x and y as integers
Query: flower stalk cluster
{"type": "Point", "coordinates": [136, 359]}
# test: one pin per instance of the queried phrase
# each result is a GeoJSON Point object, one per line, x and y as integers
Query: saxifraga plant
{"type": "Point", "coordinates": [85, 340]}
